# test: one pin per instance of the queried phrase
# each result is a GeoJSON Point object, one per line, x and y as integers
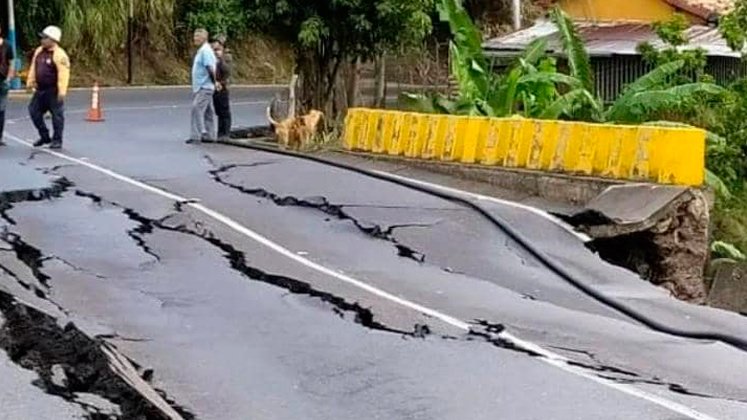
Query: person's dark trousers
{"type": "Point", "coordinates": [3, 106]}
{"type": "Point", "coordinates": [41, 102]}
{"type": "Point", "coordinates": [222, 102]}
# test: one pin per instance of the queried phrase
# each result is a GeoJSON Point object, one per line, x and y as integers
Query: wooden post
{"type": "Point", "coordinates": [130, 35]}
{"type": "Point", "coordinates": [516, 9]}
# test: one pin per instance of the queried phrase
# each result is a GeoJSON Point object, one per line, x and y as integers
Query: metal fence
{"type": "Point", "coordinates": [613, 74]}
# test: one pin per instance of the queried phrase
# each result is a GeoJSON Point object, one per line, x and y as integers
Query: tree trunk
{"type": "Point", "coordinates": [311, 81]}
{"type": "Point", "coordinates": [321, 85]}
{"type": "Point", "coordinates": [354, 78]}
{"type": "Point", "coordinates": [380, 84]}
{"type": "Point", "coordinates": [340, 99]}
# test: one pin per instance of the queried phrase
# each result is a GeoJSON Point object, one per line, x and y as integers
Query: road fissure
{"type": "Point", "coordinates": [69, 363]}
{"type": "Point", "coordinates": [548, 357]}
{"type": "Point", "coordinates": [324, 206]}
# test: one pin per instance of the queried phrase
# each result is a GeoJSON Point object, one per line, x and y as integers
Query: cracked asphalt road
{"type": "Point", "coordinates": [227, 328]}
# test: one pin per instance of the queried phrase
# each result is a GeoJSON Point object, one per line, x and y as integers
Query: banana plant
{"type": "Point", "coordinates": [652, 93]}
{"type": "Point", "coordinates": [532, 86]}
{"type": "Point", "coordinates": [469, 66]}
{"type": "Point", "coordinates": [578, 58]}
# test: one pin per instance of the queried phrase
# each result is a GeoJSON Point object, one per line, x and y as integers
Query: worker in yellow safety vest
{"type": "Point", "coordinates": [49, 77]}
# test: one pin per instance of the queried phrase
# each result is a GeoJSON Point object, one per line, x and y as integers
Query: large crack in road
{"type": "Point", "coordinates": [321, 204]}
{"type": "Point", "coordinates": [484, 330]}
{"type": "Point", "coordinates": [70, 364]}
{"type": "Point", "coordinates": [31, 257]}
{"type": "Point", "coordinates": [238, 262]}
{"type": "Point", "coordinates": [17, 330]}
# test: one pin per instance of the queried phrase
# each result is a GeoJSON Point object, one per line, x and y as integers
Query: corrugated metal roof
{"type": "Point", "coordinates": [605, 39]}
{"type": "Point", "coordinates": [704, 8]}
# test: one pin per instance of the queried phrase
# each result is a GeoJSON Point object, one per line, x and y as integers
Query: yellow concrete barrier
{"type": "Point", "coordinates": [636, 153]}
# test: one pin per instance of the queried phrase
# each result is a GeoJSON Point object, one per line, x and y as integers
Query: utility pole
{"type": "Point", "coordinates": [130, 35]}
{"type": "Point", "coordinates": [16, 82]}
{"type": "Point", "coordinates": [517, 14]}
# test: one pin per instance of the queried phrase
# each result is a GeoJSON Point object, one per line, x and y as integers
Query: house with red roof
{"type": "Point", "coordinates": [613, 29]}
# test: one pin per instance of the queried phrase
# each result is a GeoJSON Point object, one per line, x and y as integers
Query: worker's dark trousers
{"type": "Point", "coordinates": [222, 102]}
{"type": "Point", "coordinates": [43, 101]}
{"type": "Point", "coordinates": [3, 106]}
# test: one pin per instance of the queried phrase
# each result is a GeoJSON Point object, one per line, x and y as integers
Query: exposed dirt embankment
{"type": "Point", "coordinates": [670, 249]}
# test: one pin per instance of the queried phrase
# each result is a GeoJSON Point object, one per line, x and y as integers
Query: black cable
{"type": "Point", "coordinates": [738, 342]}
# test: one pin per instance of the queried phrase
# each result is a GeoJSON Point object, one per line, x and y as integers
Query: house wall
{"type": "Point", "coordinates": [617, 10]}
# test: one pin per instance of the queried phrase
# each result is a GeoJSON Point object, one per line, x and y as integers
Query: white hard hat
{"type": "Point", "coordinates": [52, 32]}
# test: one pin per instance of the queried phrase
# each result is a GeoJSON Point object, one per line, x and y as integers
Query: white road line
{"type": "Point", "coordinates": [154, 107]}
{"type": "Point", "coordinates": [548, 357]}
{"type": "Point", "coordinates": [545, 215]}
{"type": "Point", "coordinates": [23, 92]}
{"type": "Point", "coordinates": [139, 108]}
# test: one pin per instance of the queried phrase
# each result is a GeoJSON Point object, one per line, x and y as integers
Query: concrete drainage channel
{"type": "Point", "coordinates": [84, 371]}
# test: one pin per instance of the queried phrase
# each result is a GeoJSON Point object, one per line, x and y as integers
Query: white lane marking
{"type": "Point", "coordinates": [154, 107]}
{"type": "Point", "coordinates": [139, 108]}
{"type": "Point", "coordinates": [546, 356]}
{"type": "Point", "coordinates": [25, 93]}
{"type": "Point", "coordinates": [545, 215]}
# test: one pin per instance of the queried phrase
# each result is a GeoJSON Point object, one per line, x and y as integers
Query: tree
{"type": "Point", "coordinates": [532, 86]}
{"type": "Point", "coordinates": [733, 26]}
{"type": "Point", "coordinates": [650, 95]}
{"type": "Point", "coordinates": [225, 17]}
{"type": "Point", "coordinates": [329, 34]}
{"type": "Point", "coordinates": [673, 34]}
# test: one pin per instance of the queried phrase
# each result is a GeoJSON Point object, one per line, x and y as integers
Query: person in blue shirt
{"type": "Point", "coordinates": [203, 88]}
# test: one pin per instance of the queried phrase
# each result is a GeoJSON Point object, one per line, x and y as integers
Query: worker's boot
{"type": "Point", "coordinates": [42, 141]}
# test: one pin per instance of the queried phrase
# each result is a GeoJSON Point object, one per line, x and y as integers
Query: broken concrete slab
{"type": "Point", "coordinates": [15, 177]}
{"type": "Point", "coordinates": [625, 209]}
{"type": "Point", "coordinates": [23, 183]}
{"type": "Point", "coordinates": [660, 232]}
{"type": "Point", "coordinates": [729, 286]}
{"type": "Point", "coordinates": [68, 362]}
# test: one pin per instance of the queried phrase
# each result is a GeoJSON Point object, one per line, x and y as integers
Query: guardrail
{"type": "Point", "coordinates": [637, 153]}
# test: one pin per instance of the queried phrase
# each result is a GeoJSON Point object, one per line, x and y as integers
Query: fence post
{"type": "Point", "coordinates": [292, 96]}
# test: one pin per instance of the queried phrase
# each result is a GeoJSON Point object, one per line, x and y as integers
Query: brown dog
{"type": "Point", "coordinates": [296, 133]}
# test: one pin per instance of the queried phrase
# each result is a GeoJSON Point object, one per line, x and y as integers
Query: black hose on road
{"type": "Point", "coordinates": [738, 342]}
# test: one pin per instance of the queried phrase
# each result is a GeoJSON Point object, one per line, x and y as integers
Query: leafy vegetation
{"type": "Point", "coordinates": [677, 89]}
{"type": "Point", "coordinates": [733, 26]}
{"type": "Point", "coordinates": [218, 16]}
{"type": "Point", "coordinates": [533, 86]}
{"type": "Point", "coordinates": [328, 35]}
{"type": "Point", "coordinates": [672, 34]}
{"type": "Point", "coordinates": [95, 29]}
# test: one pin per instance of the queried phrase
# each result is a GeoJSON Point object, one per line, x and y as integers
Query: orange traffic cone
{"type": "Point", "coordinates": [95, 114]}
